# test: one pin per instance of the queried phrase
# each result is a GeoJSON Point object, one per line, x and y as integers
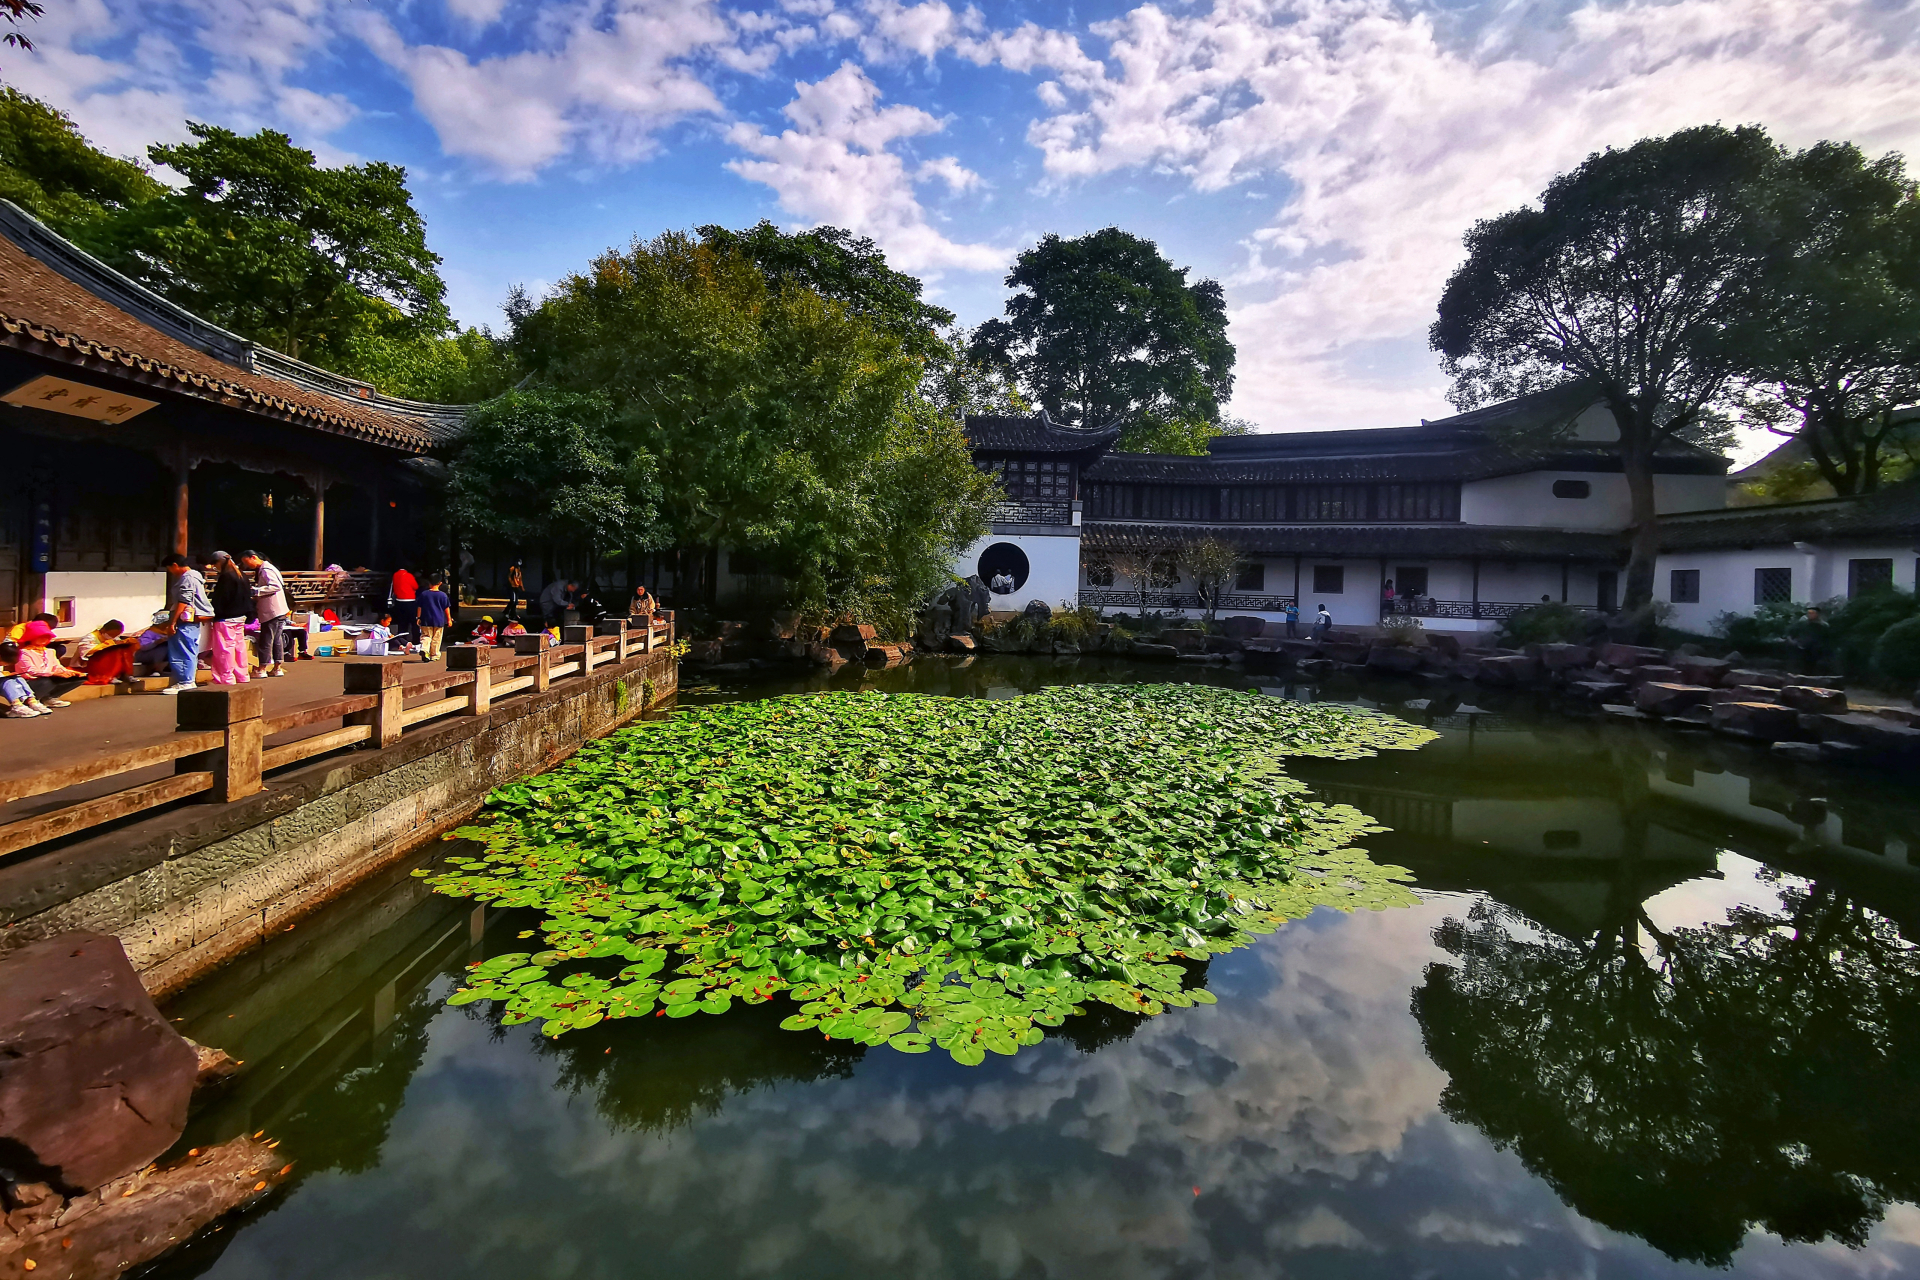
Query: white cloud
{"type": "Point", "coordinates": [1396, 135]}
{"type": "Point", "coordinates": [615, 74]}
{"type": "Point", "coordinates": [478, 13]}
{"type": "Point", "coordinates": [835, 166]}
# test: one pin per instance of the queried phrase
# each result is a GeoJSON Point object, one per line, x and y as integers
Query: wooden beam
{"type": "Point", "coordinates": [319, 482]}
{"type": "Point", "coordinates": [91, 813]}
{"type": "Point", "coordinates": [20, 787]}
{"type": "Point", "coordinates": [181, 470]}
{"type": "Point", "coordinates": [318, 744]}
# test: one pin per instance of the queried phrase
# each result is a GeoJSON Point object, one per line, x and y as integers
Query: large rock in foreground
{"type": "Point", "coordinates": [93, 1082]}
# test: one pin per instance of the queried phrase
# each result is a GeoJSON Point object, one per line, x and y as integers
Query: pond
{"type": "Point", "coordinates": [1653, 1013]}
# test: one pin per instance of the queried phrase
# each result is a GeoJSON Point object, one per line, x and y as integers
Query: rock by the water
{"type": "Point", "coordinates": [1698, 670]}
{"type": "Point", "coordinates": [1161, 652]}
{"type": "Point", "coordinates": [1397, 659]}
{"type": "Point", "coordinates": [1243, 627]}
{"type": "Point", "coordinates": [1563, 657]}
{"type": "Point", "coordinates": [1798, 752]}
{"type": "Point", "coordinates": [1803, 697]}
{"type": "Point", "coordinates": [959, 644]}
{"type": "Point", "coordinates": [1184, 639]}
{"type": "Point", "coordinates": [93, 1082]}
{"type": "Point", "coordinates": [1623, 656]}
{"type": "Point", "coordinates": [1662, 699]}
{"type": "Point", "coordinates": [1877, 735]}
{"type": "Point", "coordinates": [1766, 721]}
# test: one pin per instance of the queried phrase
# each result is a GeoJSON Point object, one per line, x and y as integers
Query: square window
{"type": "Point", "coordinates": [1572, 489]}
{"type": "Point", "coordinates": [1868, 575]}
{"type": "Point", "coordinates": [1410, 580]}
{"type": "Point", "coordinates": [1772, 586]}
{"type": "Point", "coordinates": [1683, 586]}
{"type": "Point", "coordinates": [1250, 577]}
{"type": "Point", "coordinates": [1329, 579]}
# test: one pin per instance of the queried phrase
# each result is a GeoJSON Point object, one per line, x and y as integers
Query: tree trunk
{"type": "Point", "coordinates": [1636, 457]}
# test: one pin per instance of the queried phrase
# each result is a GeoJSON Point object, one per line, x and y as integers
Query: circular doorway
{"type": "Point", "coordinates": [1002, 564]}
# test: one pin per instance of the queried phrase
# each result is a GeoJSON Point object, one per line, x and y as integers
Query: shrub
{"type": "Point", "coordinates": [1855, 626]}
{"type": "Point", "coordinates": [1398, 631]}
{"type": "Point", "coordinates": [1546, 623]}
{"type": "Point", "coordinates": [1762, 631]}
{"type": "Point", "coordinates": [1896, 654]}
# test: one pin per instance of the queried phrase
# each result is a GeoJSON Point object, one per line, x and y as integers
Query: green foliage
{"type": "Point", "coordinates": [1896, 654]}
{"type": "Point", "coordinates": [1400, 631]}
{"type": "Point", "coordinates": [1855, 626]}
{"type": "Point", "coordinates": [1835, 350]}
{"type": "Point", "coordinates": [464, 367]}
{"type": "Point", "coordinates": [847, 268]}
{"type": "Point", "coordinates": [1762, 631]}
{"type": "Point", "coordinates": [55, 174]}
{"type": "Point", "coordinates": [1151, 433]}
{"type": "Point", "coordinates": [1104, 328]}
{"type": "Point", "coordinates": [1632, 278]}
{"type": "Point", "coordinates": [781, 419]}
{"type": "Point", "coordinates": [544, 468]}
{"type": "Point", "coordinates": [1549, 622]}
{"type": "Point", "coordinates": [915, 871]}
{"type": "Point", "coordinates": [1211, 563]}
{"type": "Point", "coordinates": [267, 243]}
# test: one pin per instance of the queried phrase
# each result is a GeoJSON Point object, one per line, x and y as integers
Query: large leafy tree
{"type": "Point", "coordinates": [1837, 351]}
{"type": "Point", "coordinates": [298, 257]}
{"type": "Point", "coordinates": [55, 174]}
{"type": "Point", "coordinates": [783, 421]}
{"type": "Point", "coordinates": [850, 269]}
{"type": "Point", "coordinates": [1103, 328]}
{"type": "Point", "coordinates": [547, 469]}
{"type": "Point", "coordinates": [1634, 274]}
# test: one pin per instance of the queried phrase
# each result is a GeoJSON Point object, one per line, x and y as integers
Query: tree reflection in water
{"type": "Point", "coordinates": [1687, 1086]}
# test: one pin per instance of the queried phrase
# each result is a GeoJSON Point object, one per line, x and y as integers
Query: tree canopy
{"type": "Point", "coordinates": [55, 174]}
{"type": "Point", "coordinates": [1634, 274]}
{"type": "Point", "coordinates": [546, 469]}
{"type": "Point", "coordinates": [267, 243]}
{"type": "Point", "coordinates": [783, 421]}
{"type": "Point", "coordinates": [1103, 328]}
{"type": "Point", "coordinates": [1834, 351]}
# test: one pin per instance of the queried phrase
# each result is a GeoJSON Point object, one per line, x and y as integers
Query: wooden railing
{"type": "Point", "coordinates": [317, 588]}
{"type": "Point", "coordinates": [1428, 607]}
{"type": "Point", "coordinates": [219, 753]}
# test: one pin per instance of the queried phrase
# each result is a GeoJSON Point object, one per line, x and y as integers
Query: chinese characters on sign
{"type": "Point", "coordinates": [76, 398]}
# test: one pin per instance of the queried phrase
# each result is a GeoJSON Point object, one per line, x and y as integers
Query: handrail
{"type": "Point", "coordinates": [219, 751]}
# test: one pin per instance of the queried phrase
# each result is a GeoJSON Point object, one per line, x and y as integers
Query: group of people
{"type": "Point", "coordinates": [253, 601]}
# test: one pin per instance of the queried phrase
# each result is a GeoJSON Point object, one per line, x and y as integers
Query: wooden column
{"type": "Point", "coordinates": [373, 534]}
{"type": "Point", "coordinates": [1476, 587]}
{"type": "Point", "coordinates": [236, 709]}
{"type": "Point", "coordinates": [479, 660]}
{"type": "Point", "coordinates": [319, 482]}
{"type": "Point", "coordinates": [381, 677]}
{"type": "Point", "coordinates": [536, 644]}
{"type": "Point", "coordinates": [581, 634]}
{"type": "Point", "coordinates": [1563, 582]}
{"type": "Point", "coordinates": [181, 469]}
{"type": "Point", "coordinates": [1296, 582]}
{"type": "Point", "coordinates": [614, 627]}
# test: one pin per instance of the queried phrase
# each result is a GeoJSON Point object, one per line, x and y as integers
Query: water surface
{"type": "Point", "coordinates": [1655, 1014]}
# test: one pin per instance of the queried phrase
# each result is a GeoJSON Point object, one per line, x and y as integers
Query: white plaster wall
{"type": "Point", "coordinates": [1527, 499]}
{"type": "Point", "coordinates": [130, 597]}
{"type": "Point", "coordinates": [1053, 568]}
{"type": "Point", "coordinates": [1726, 576]}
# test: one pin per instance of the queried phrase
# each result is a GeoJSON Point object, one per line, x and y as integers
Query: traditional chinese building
{"type": "Point", "coordinates": [132, 428]}
{"type": "Point", "coordinates": [1467, 521]}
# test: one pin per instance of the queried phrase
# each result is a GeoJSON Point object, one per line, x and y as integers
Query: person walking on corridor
{"type": "Point", "coordinates": [270, 598]}
{"type": "Point", "coordinates": [404, 601]}
{"type": "Point", "coordinates": [187, 608]}
{"type": "Point", "coordinates": [233, 605]}
{"type": "Point", "coordinates": [434, 608]}
{"type": "Point", "coordinates": [516, 590]}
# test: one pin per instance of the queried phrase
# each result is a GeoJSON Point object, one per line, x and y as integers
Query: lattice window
{"type": "Point", "coordinates": [1330, 502]}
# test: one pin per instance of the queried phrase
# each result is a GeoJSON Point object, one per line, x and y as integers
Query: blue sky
{"type": "Point", "coordinates": [1320, 157]}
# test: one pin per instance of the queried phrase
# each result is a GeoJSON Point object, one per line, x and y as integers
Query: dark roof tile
{"type": "Point", "coordinates": [1425, 541]}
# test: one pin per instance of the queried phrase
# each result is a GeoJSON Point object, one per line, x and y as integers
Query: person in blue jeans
{"type": "Point", "coordinates": [1293, 620]}
{"type": "Point", "coordinates": [187, 607]}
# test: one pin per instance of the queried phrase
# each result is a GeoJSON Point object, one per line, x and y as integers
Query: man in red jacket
{"type": "Point", "coordinates": [405, 592]}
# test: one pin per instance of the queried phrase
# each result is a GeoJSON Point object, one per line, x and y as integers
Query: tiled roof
{"type": "Point", "coordinates": [59, 303]}
{"type": "Point", "coordinates": [1428, 541]}
{"type": "Point", "coordinates": [1893, 512]}
{"type": "Point", "coordinates": [1038, 434]}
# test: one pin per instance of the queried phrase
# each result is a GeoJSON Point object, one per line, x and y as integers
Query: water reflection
{"type": "Point", "coordinates": [1655, 1011]}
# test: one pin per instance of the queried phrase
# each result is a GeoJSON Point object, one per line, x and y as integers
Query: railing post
{"type": "Point", "coordinates": [615, 627]}
{"type": "Point", "coordinates": [579, 633]}
{"type": "Point", "coordinates": [381, 677]}
{"type": "Point", "coordinates": [670, 623]}
{"type": "Point", "coordinates": [646, 634]}
{"type": "Point", "coordinates": [535, 644]}
{"type": "Point", "coordinates": [235, 709]}
{"type": "Point", "coordinates": [474, 658]}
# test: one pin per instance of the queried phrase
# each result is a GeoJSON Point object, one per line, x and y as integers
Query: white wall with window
{"type": "Point", "coordinates": [1580, 499]}
{"type": "Point", "coordinates": [1702, 585]}
{"type": "Point", "coordinates": [1044, 567]}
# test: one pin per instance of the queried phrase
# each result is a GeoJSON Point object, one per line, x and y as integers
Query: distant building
{"type": "Point", "coordinates": [1467, 521]}
{"type": "Point", "coordinates": [132, 428]}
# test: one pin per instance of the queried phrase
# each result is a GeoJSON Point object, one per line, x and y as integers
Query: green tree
{"type": "Point", "coordinates": [1837, 351]}
{"type": "Point", "coordinates": [1211, 563]}
{"type": "Point", "coordinates": [1633, 275]}
{"type": "Point", "coordinates": [546, 469]}
{"type": "Point", "coordinates": [267, 243]}
{"type": "Point", "coordinates": [463, 367]}
{"type": "Point", "coordinates": [1103, 328]}
{"type": "Point", "coordinates": [55, 174]}
{"type": "Point", "coordinates": [783, 421]}
{"type": "Point", "coordinates": [837, 264]}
